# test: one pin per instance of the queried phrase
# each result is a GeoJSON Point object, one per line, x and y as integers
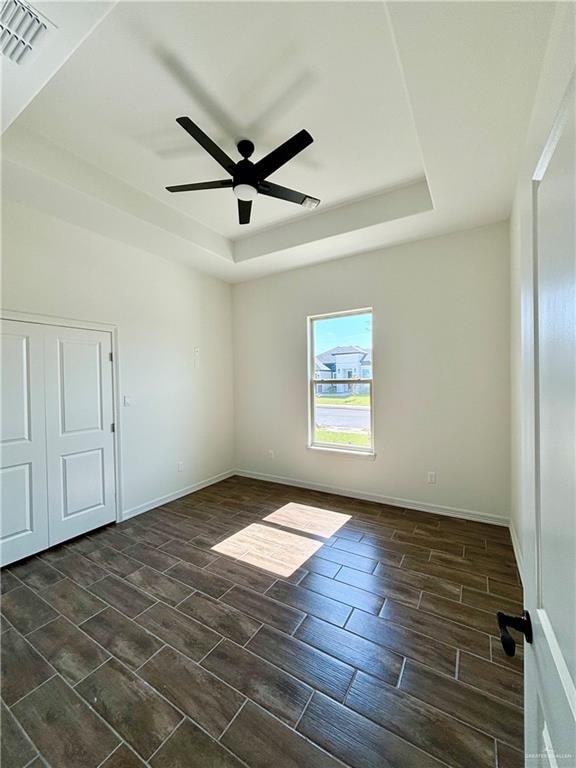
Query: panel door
{"type": "Point", "coordinates": [79, 437]}
{"type": "Point", "coordinates": [23, 514]}
{"type": "Point", "coordinates": [551, 582]}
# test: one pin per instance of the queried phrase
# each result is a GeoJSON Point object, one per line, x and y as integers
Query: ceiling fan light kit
{"type": "Point", "coordinates": [249, 179]}
{"type": "Point", "coordinates": [245, 191]}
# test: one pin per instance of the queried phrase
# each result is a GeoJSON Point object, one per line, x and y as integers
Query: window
{"type": "Point", "coordinates": [340, 346]}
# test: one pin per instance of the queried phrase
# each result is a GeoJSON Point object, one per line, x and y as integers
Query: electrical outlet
{"type": "Point", "coordinates": [180, 466]}
{"type": "Point", "coordinates": [271, 454]}
{"type": "Point", "coordinates": [431, 478]}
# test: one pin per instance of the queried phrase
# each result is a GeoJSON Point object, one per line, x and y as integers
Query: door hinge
{"type": "Point", "coordinates": [110, 356]}
{"type": "Point", "coordinates": [112, 427]}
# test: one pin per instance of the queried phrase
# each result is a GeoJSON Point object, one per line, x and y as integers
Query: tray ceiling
{"type": "Point", "coordinates": [256, 70]}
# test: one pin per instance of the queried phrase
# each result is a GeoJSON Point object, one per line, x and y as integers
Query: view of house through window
{"type": "Point", "coordinates": [341, 380]}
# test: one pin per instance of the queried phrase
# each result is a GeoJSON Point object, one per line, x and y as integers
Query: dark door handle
{"type": "Point", "coordinates": [521, 623]}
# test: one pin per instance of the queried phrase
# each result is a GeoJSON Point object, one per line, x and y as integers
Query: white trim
{"type": "Point", "coordinates": [550, 754]}
{"type": "Point", "coordinates": [66, 322]}
{"type": "Point", "coordinates": [89, 325]}
{"type": "Point", "coordinates": [310, 323]}
{"type": "Point", "coordinates": [117, 420]}
{"type": "Point", "coordinates": [347, 451]}
{"type": "Point", "coordinates": [160, 500]}
{"type": "Point", "coordinates": [466, 514]}
{"type": "Point", "coordinates": [338, 313]}
{"type": "Point", "coordinates": [552, 141]}
{"type": "Point", "coordinates": [556, 132]}
{"type": "Point", "coordinates": [559, 661]}
{"type": "Point", "coordinates": [517, 551]}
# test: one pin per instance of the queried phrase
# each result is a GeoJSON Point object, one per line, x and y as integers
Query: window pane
{"type": "Point", "coordinates": [342, 415]}
{"type": "Point", "coordinates": [341, 410]}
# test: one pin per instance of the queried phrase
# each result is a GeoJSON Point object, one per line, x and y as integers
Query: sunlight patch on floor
{"type": "Point", "coordinates": [321, 522]}
{"type": "Point", "coordinates": [272, 550]}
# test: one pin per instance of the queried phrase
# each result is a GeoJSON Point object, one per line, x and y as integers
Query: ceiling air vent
{"type": "Point", "coordinates": [21, 30]}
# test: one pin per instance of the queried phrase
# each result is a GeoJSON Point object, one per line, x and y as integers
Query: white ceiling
{"type": "Point", "coordinates": [69, 24]}
{"type": "Point", "coordinates": [418, 111]}
{"type": "Point", "coordinates": [263, 71]}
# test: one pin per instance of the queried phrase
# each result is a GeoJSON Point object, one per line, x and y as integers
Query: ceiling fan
{"type": "Point", "coordinates": [248, 178]}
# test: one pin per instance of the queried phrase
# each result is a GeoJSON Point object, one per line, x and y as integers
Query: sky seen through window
{"type": "Point", "coordinates": [348, 330]}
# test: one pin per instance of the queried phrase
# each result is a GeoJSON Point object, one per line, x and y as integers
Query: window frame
{"type": "Point", "coordinates": [312, 381]}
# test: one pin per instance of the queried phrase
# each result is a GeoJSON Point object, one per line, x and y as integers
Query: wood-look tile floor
{"type": "Point", "coordinates": [139, 645]}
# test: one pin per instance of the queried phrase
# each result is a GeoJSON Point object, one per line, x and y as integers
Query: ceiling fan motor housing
{"type": "Point", "coordinates": [245, 182]}
{"type": "Point", "coordinates": [244, 173]}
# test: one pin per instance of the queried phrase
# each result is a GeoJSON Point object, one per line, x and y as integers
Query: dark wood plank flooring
{"type": "Point", "coordinates": [137, 645]}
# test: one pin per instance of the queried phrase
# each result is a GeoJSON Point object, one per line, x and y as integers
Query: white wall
{"type": "Point", "coordinates": [441, 352]}
{"type": "Point", "coordinates": [557, 68]}
{"type": "Point", "coordinates": [163, 310]}
{"type": "Point", "coordinates": [441, 334]}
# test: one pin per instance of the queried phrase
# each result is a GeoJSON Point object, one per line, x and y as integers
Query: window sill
{"type": "Point", "coordinates": [370, 455]}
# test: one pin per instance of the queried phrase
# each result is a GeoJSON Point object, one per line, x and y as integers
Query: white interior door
{"type": "Point", "coordinates": [23, 515]}
{"type": "Point", "coordinates": [79, 436]}
{"type": "Point", "coordinates": [551, 580]}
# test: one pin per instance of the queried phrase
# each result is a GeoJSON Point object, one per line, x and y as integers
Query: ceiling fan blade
{"type": "Point", "coordinates": [282, 154]}
{"type": "Point", "coordinates": [244, 209]}
{"type": "Point", "coordinates": [281, 103]}
{"type": "Point", "coordinates": [201, 185]}
{"type": "Point", "coordinates": [205, 141]}
{"type": "Point", "coordinates": [200, 94]}
{"type": "Point", "coordinates": [282, 193]}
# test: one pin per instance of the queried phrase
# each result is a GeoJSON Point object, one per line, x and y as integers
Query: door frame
{"type": "Point", "coordinates": [113, 330]}
{"type": "Point", "coordinates": [544, 160]}
{"type": "Point", "coordinates": [532, 571]}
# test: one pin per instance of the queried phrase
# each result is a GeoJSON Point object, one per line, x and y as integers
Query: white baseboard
{"type": "Point", "coordinates": [466, 514]}
{"type": "Point", "coordinates": [517, 551]}
{"type": "Point", "coordinates": [128, 513]}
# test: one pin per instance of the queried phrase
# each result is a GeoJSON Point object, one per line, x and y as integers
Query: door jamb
{"type": "Point", "coordinates": [544, 160]}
